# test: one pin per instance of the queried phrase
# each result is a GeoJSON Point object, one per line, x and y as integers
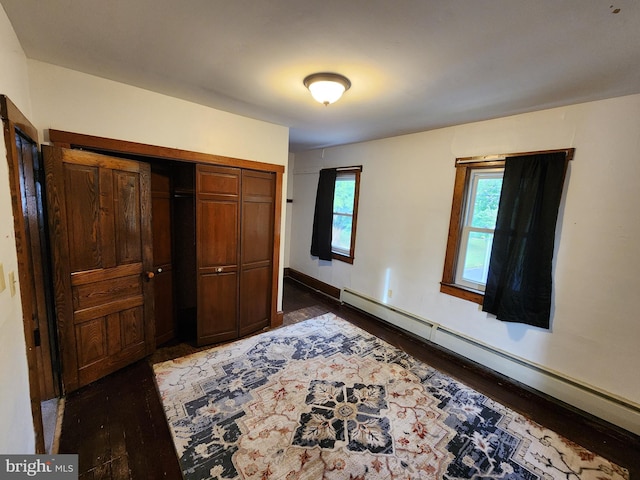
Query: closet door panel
{"type": "Point", "coordinates": [162, 256]}
{"type": "Point", "coordinates": [165, 316]}
{"type": "Point", "coordinates": [217, 240]}
{"type": "Point", "coordinates": [257, 224]}
{"type": "Point", "coordinates": [161, 205]}
{"type": "Point", "coordinates": [84, 224]}
{"type": "Point", "coordinates": [127, 226]}
{"type": "Point", "coordinates": [218, 308]}
{"type": "Point", "coordinates": [220, 181]}
{"type": "Point", "coordinates": [258, 202]}
{"type": "Point", "coordinates": [255, 304]}
{"type": "Point", "coordinates": [217, 222]}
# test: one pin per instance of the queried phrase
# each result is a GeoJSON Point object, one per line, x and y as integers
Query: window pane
{"type": "Point", "coordinates": [344, 194]}
{"type": "Point", "coordinates": [485, 203]}
{"type": "Point", "coordinates": [476, 260]}
{"type": "Point", "coordinates": [341, 234]}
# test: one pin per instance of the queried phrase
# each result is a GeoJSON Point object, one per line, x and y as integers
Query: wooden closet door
{"type": "Point", "coordinates": [100, 224]}
{"type": "Point", "coordinates": [258, 209]}
{"type": "Point", "coordinates": [217, 247]}
{"type": "Point", "coordinates": [162, 256]}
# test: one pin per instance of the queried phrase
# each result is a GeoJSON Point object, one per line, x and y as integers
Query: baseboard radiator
{"type": "Point", "coordinates": [602, 404]}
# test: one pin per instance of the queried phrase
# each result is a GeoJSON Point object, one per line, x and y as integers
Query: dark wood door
{"type": "Point", "coordinates": [217, 247]}
{"type": "Point", "coordinates": [100, 228]}
{"type": "Point", "coordinates": [20, 140]}
{"type": "Point", "coordinates": [31, 190]}
{"type": "Point", "coordinates": [258, 207]}
{"type": "Point", "coordinates": [162, 229]}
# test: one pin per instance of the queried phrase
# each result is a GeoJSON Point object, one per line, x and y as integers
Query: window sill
{"type": "Point", "coordinates": [471, 295]}
{"type": "Point", "coordinates": [342, 258]}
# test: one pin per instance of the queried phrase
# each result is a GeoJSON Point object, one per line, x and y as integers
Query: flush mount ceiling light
{"type": "Point", "coordinates": [327, 88]}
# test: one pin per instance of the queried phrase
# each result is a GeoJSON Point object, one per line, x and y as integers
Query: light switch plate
{"type": "Point", "coordinates": [12, 283]}
{"type": "Point", "coordinates": [3, 284]}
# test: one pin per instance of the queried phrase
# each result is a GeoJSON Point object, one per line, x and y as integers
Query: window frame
{"type": "Point", "coordinates": [350, 256]}
{"type": "Point", "coordinates": [464, 168]}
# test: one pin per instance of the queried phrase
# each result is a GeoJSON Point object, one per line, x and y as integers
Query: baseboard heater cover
{"type": "Point", "coordinates": [593, 400]}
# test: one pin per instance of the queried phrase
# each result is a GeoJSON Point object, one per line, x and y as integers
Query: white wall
{"type": "Point", "coordinates": [405, 204]}
{"type": "Point", "coordinates": [65, 99]}
{"type": "Point", "coordinates": [16, 422]}
{"type": "Point", "coordinates": [289, 209]}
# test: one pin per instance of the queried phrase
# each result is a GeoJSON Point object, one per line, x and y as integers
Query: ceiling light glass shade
{"type": "Point", "coordinates": [327, 88]}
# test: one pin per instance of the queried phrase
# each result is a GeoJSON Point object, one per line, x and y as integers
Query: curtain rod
{"type": "Point", "coordinates": [344, 169]}
{"type": "Point", "coordinates": [357, 168]}
{"type": "Point", "coordinates": [569, 152]}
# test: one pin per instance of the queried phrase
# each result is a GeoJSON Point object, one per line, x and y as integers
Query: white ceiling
{"type": "Point", "coordinates": [414, 64]}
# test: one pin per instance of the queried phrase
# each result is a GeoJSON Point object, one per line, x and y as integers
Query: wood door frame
{"type": "Point", "coordinates": [13, 119]}
{"type": "Point", "coordinates": [105, 145]}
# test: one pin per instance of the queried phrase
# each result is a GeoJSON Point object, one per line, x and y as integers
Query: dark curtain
{"type": "Point", "coordinates": [519, 278]}
{"type": "Point", "coordinates": [323, 216]}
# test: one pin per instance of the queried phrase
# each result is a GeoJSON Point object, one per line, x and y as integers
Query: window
{"type": "Point", "coordinates": [345, 210]}
{"type": "Point", "coordinates": [479, 222]}
{"type": "Point", "coordinates": [473, 215]}
{"type": "Point", "coordinates": [336, 213]}
{"type": "Point", "coordinates": [476, 197]}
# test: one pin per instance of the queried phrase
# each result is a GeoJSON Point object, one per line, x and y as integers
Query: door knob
{"type": "Point", "coordinates": [149, 275]}
{"type": "Point", "coordinates": [219, 270]}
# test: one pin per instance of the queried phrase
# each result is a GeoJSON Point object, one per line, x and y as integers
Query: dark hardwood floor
{"type": "Point", "coordinates": [118, 428]}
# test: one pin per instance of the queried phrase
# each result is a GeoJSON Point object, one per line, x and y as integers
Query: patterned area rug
{"type": "Point", "coordinates": [323, 399]}
{"type": "Point", "coordinates": [181, 349]}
